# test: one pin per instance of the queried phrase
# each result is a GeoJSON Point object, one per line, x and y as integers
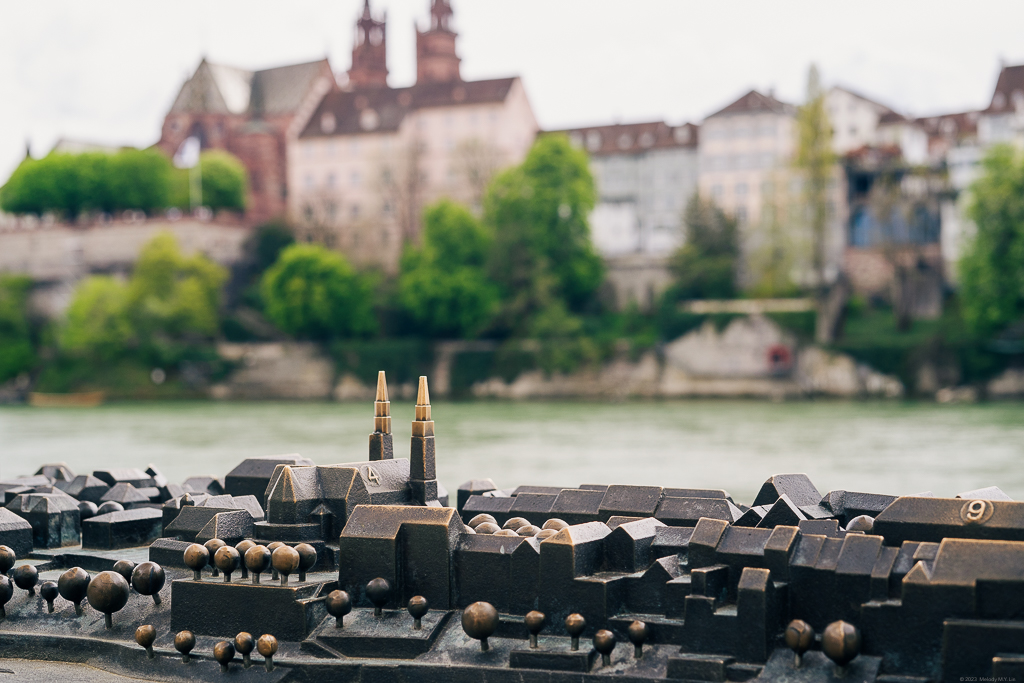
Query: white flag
{"type": "Point", "coordinates": [187, 155]}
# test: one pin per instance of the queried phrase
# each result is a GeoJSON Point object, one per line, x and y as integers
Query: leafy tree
{"type": "Point", "coordinates": [815, 163]}
{"type": "Point", "coordinates": [69, 184]}
{"type": "Point", "coordinates": [96, 324]}
{"type": "Point", "coordinates": [313, 292]}
{"type": "Point", "coordinates": [267, 243]}
{"type": "Point", "coordinates": [542, 248]}
{"type": "Point", "coordinates": [170, 304]}
{"type": "Point", "coordinates": [444, 285]}
{"type": "Point", "coordinates": [991, 270]}
{"type": "Point", "coordinates": [172, 295]}
{"type": "Point", "coordinates": [815, 160]}
{"type": "Point", "coordinates": [705, 266]}
{"type": "Point", "coordinates": [138, 179]}
{"type": "Point", "coordinates": [225, 183]}
{"type": "Point", "coordinates": [16, 352]}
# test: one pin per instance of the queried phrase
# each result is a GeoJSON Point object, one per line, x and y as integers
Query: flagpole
{"type": "Point", "coordinates": [195, 182]}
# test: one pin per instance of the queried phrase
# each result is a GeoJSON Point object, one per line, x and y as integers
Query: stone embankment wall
{"type": "Point", "coordinates": [751, 357]}
{"type": "Point", "coordinates": [56, 256]}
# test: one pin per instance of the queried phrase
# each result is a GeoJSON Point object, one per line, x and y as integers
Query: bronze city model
{"type": "Point", "coordinates": [367, 571]}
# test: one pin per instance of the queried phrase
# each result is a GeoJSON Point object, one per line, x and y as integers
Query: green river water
{"type": "Point", "coordinates": [885, 447]}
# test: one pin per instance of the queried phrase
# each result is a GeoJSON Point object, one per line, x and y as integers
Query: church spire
{"type": "Point", "coordinates": [436, 59]}
{"type": "Point", "coordinates": [381, 440]}
{"type": "Point", "coordinates": [422, 463]}
{"type": "Point", "coordinates": [369, 53]}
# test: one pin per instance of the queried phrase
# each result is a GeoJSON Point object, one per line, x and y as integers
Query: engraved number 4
{"type": "Point", "coordinates": [372, 476]}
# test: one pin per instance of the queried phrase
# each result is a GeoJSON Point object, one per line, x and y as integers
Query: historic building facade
{"type": "Point", "coordinates": [370, 156]}
{"type": "Point", "coordinates": [253, 115]}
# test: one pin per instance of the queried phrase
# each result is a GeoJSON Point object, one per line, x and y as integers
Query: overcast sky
{"type": "Point", "coordinates": [107, 71]}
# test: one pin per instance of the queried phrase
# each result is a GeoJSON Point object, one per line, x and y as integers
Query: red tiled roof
{"type": "Point", "coordinates": [629, 138]}
{"type": "Point", "coordinates": [961, 125]}
{"type": "Point", "coordinates": [1009, 90]}
{"type": "Point", "coordinates": [754, 102]}
{"type": "Point", "coordinates": [387, 107]}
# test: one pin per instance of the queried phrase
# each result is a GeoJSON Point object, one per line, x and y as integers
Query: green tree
{"type": "Point", "coordinates": [815, 164]}
{"type": "Point", "coordinates": [992, 267]}
{"type": "Point", "coordinates": [267, 243]}
{"type": "Point", "coordinates": [225, 183]}
{"type": "Point", "coordinates": [137, 179]}
{"type": "Point", "coordinates": [542, 247]}
{"type": "Point", "coordinates": [174, 296]}
{"type": "Point", "coordinates": [96, 324]}
{"type": "Point", "coordinates": [705, 266]}
{"type": "Point", "coordinates": [17, 354]}
{"type": "Point", "coordinates": [69, 184]}
{"type": "Point", "coordinates": [314, 293]}
{"type": "Point", "coordinates": [815, 161]}
{"type": "Point", "coordinates": [170, 304]}
{"type": "Point", "coordinates": [444, 284]}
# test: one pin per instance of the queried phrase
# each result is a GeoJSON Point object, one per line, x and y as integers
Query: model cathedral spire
{"type": "Point", "coordinates": [422, 461]}
{"type": "Point", "coordinates": [381, 441]}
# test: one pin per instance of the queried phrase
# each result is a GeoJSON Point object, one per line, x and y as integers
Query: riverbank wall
{"type": "Point", "coordinates": [750, 357]}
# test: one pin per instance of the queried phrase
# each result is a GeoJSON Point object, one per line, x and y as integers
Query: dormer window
{"type": "Point", "coordinates": [328, 123]}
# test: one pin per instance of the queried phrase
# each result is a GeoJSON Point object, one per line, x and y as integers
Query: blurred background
{"type": "Point", "coordinates": [692, 244]}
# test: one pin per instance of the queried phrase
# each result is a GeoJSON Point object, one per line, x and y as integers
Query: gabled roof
{"type": "Point", "coordinates": [753, 103]}
{"type": "Point", "coordinates": [630, 138]}
{"type": "Point", "coordinates": [1009, 90]}
{"type": "Point", "coordinates": [958, 126]}
{"type": "Point", "coordinates": [373, 110]}
{"type": "Point", "coordinates": [860, 96]}
{"type": "Point", "coordinates": [220, 89]}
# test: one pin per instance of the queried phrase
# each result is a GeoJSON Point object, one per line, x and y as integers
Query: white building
{"type": "Point", "coordinates": [371, 157]}
{"type": "Point", "coordinates": [645, 173]}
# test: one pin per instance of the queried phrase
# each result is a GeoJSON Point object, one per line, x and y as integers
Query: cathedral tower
{"type": "Point", "coordinates": [436, 60]}
{"type": "Point", "coordinates": [369, 53]}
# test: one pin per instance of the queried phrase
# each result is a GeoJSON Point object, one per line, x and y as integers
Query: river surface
{"type": "Point", "coordinates": [884, 447]}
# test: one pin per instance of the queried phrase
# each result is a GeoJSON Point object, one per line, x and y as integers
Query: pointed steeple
{"type": "Point", "coordinates": [381, 440]}
{"type": "Point", "coordinates": [436, 58]}
{"type": "Point", "coordinates": [422, 459]}
{"type": "Point", "coordinates": [369, 52]}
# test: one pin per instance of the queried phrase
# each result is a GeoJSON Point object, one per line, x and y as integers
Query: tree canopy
{"type": "Point", "coordinates": [138, 179]}
{"type": "Point", "coordinates": [170, 302]}
{"type": "Point", "coordinates": [313, 293]}
{"type": "Point", "coordinates": [991, 272]}
{"type": "Point", "coordinates": [705, 266]}
{"type": "Point", "coordinates": [443, 284]}
{"type": "Point", "coordinates": [16, 352]}
{"type": "Point", "coordinates": [539, 213]}
{"type": "Point", "coordinates": [69, 184]}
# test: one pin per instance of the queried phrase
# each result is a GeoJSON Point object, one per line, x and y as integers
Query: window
{"type": "Point", "coordinates": [593, 141]}
{"type": "Point", "coordinates": [741, 189]}
{"type": "Point", "coordinates": [355, 211]}
{"type": "Point", "coordinates": [309, 181]}
{"type": "Point", "coordinates": [330, 180]}
{"type": "Point", "coordinates": [355, 178]}
{"type": "Point", "coordinates": [327, 122]}
{"type": "Point", "coordinates": [716, 191]}
{"type": "Point", "coordinates": [741, 214]}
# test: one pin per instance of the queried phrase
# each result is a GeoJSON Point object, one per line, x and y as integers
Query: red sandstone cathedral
{"type": "Point", "coordinates": [255, 115]}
